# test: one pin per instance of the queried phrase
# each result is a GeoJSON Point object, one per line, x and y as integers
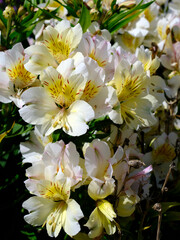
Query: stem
{"type": "Point", "coordinates": [159, 225]}
{"type": "Point", "coordinates": [142, 221]}
{"type": "Point", "coordinates": [167, 177]}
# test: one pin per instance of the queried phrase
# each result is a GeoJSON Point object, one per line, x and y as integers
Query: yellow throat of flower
{"type": "Point", "coordinates": [61, 91]}
{"type": "Point", "coordinates": [164, 153]}
{"type": "Point", "coordinates": [56, 192]}
{"type": "Point", "coordinates": [58, 48]}
{"type": "Point", "coordinates": [20, 76]}
{"type": "Point", "coordinates": [130, 88]}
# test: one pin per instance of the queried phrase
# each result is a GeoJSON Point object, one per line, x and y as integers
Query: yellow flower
{"type": "Point", "coordinates": [126, 205]}
{"type": "Point", "coordinates": [102, 217]}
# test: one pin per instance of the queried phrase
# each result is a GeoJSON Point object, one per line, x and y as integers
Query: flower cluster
{"type": "Point", "coordinates": [68, 80]}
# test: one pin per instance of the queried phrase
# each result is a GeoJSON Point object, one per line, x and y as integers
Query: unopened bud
{"type": "Point", "coordinates": [157, 207]}
{"type": "Point", "coordinates": [94, 14]}
{"type": "Point", "coordinates": [21, 11]}
{"type": "Point", "coordinates": [135, 163]}
{"type": "Point", "coordinates": [8, 12]}
{"type": "Point", "coordinates": [127, 4]}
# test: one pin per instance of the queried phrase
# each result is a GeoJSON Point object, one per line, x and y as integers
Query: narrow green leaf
{"type": "Point", "coordinates": [166, 205]}
{"type": "Point", "coordinates": [70, 10]}
{"type": "Point", "coordinates": [85, 18]}
{"type": "Point", "coordinates": [17, 127]}
{"type": "Point", "coordinates": [2, 18]}
{"type": "Point", "coordinates": [124, 22]}
{"type": "Point", "coordinates": [114, 22]}
{"type": "Point", "coordinates": [171, 216]}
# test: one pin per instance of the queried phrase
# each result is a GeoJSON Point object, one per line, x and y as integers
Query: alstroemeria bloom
{"type": "Point", "coordinates": [57, 104]}
{"type": "Point", "coordinates": [53, 207]}
{"type": "Point", "coordinates": [98, 163]}
{"type": "Point", "coordinates": [16, 78]}
{"type": "Point", "coordinates": [57, 45]}
{"type": "Point", "coordinates": [126, 205]}
{"type": "Point", "coordinates": [171, 60]}
{"type": "Point", "coordinates": [33, 149]}
{"type": "Point", "coordinates": [57, 161]}
{"type": "Point", "coordinates": [102, 217]}
{"type": "Point", "coordinates": [100, 50]}
{"type": "Point", "coordinates": [162, 155]}
{"type": "Point", "coordinates": [133, 35]}
{"type": "Point", "coordinates": [96, 93]}
{"type": "Point", "coordinates": [134, 105]}
{"type": "Point", "coordinates": [145, 56]}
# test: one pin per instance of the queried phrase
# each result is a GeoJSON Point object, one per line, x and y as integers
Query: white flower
{"type": "Point", "coordinates": [57, 104]}
{"type": "Point", "coordinates": [57, 161]}
{"type": "Point", "coordinates": [96, 93]}
{"type": "Point", "coordinates": [57, 45]}
{"type": "Point", "coordinates": [162, 155]}
{"type": "Point", "coordinates": [134, 105]}
{"type": "Point", "coordinates": [54, 209]}
{"type": "Point", "coordinates": [99, 50]}
{"type": "Point", "coordinates": [145, 56]}
{"type": "Point", "coordinates": [98, 163]}
{"type": "Point", "coordinates": [15, 78]}
{"type": "Point", "coordinates": [33, 149]}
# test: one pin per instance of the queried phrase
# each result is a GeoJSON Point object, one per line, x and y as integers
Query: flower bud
{"type": "Point", "coordinates": [8, 12]}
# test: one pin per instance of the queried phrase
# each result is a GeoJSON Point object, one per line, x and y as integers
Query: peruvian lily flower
{"type": "Point", "coordinates": [33, 149]}
{"type": "Point", "coordinates": [57, 104]}
{"type": "Point", "coordinates": [145, 56]}
{"type": "Point", "coordinates": [128, 198]}
{"type": "Point", "coordinates": [126, 205]}
{"type": "Point", "coordinates": [162, 155]}
{"type": "Point", "coordinates": [99, 169]}
{"type": "Point", "coordinates": [99, 50]}
{"type": "Point", "coordinates": [96, 93]}
{"type": "Point", "coordinates": [15, 78]}
{"type": "Point", "coordinates": [134, 105]}
{"type": "Point", "coordinates": [53, 207]}
{"type": "Point", "coordinates": [57, 161]}
{"type": "Point", "coordinates": [102, 217]}
{"type": "Point", "coordinates": [57, 45]}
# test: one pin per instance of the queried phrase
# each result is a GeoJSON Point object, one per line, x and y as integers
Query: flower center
{"type": "Point", "coordinates": [164, 153]}
{"type": "Point", "coordinates": [90, 91]}
{"type": "Point", "coordinates": [62, 92]}
{"type": "Point", "coordinates": [20, 76]}
{"type": "Point", "coordinates": [130, 88]}
{"type": "Point", "coordinates": [59, 49]}
{"type": "Point", "coordinates": [100, 62]}
{"type": "Point", "coordinates": [55, 191]}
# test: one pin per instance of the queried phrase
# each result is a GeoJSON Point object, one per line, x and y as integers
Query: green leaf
{"type": "Point", "coordinates": [124, 22]}
{"type": "Point", "coordinates": [71, 11]}
{"type": "Point", "coordinates": [17, 127]}
{"type": "Point", "coordinates": [118, 20]}
{"type": "Point", "coordinates": [2, 18]}
{"type": "Point", "coordinates": [166, 205]}
{"type": "Point", "coordinates": [171, 216]}
{"type": "Point", "coordinates": [98, 5]}
{"type": "Point", "coordinates": [85, 18]}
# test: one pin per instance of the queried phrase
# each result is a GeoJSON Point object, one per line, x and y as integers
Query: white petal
{"type": "Point", "coordinates": [39, 209]}
{"type": "Point", "coordinates": [73, 215]}
{"type": "Point", "coordinates": [79, 113]}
